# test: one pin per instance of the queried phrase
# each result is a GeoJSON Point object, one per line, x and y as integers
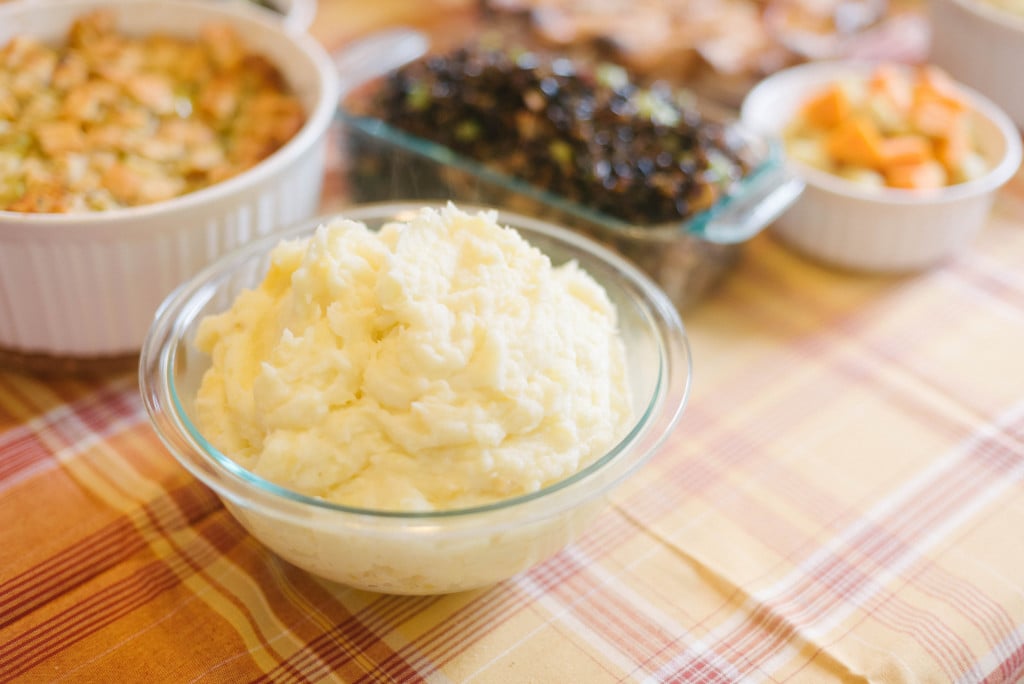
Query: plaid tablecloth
{"type": "Point", "coordinates": [842, 501]}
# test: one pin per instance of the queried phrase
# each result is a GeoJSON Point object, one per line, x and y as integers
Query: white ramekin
{"type": "Point", "coordinates": [885, 230]}
{"type": "Point", "coordinates": [87, 285]}
{"type": "Point", "coordinates": [983, 47]}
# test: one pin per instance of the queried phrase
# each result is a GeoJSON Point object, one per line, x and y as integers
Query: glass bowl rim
{"type": "Point", "coordinates": [160, 396]}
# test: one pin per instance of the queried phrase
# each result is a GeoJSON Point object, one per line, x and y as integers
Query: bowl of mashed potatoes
{"type": "Point", "coordinates": [416, 399]}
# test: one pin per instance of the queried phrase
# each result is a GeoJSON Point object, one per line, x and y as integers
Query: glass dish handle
{"type": "Point", "coordinates": [747, 215]}
{"type": "Point", "coordinates": [377, 54]}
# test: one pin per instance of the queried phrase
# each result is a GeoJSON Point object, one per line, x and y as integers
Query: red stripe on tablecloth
{"type": "Point", "coordinates": [94, 416]}
{"type": "Point", "coordinates": [107, 605]}
{"type": "Point", "coordinates": [389, 611]}
{"type": "Point", "coordinates": [99, 610]}
{"type": "Point", "coordinates": [618, 622]}
{"type": "Point", "coordinates": [956, 599]}
{"type": "Point", "coordinates": [611, 618]}
{"type": "Point", "coordinates": [1012, 665]}
{"type": "Point", "coordinates": [692, 477]}
{"type": "Point", "coordinates": [312, 598]}
{"type": "Point", "coordinates": [931, 579]}
{"type": "Point", "coordinates": [80, 620]}
{"type": "Point", "coordinates": [988, 616]}
{"type": "Point", "coordinates": [360, 632]}
{"type": "Point", "coordinates": [197, 558]}
{"type": "Point", "coordinates": [21, 449]}
{"type": "Point", "coordinates": [901, 344]}
{"type": "Point", "coordinates": [704, 672]}
{"type": "Point", "coordinates": [934, 635]}
{"type": "Point", "coordinates": [490, 606]}
{"type": "Point", "coordinates": [71, 567]}
{"type": "Point", "coordinates": [734, 635]}
{"type": "Point", "coordinates": [991, 603]}
{"type": "Point", "coordinates": [798, 500]}
{"type": "Point", "coordinates": [104, 408]}
{"type": "Point", "coordinates": [860, 373]}
{"type": "Point", "coordinates": [696, 475]}
{"type": "Point", "coordinates": [445, 641]}
{"type": "Point", "coordinates": [85, 417]}
{"type": "Point", "coordinates": [337, 651]}
{"type": "Point", "coordinates": [831, 575]}
{"type": "Point", "coordinates": [987, 278]}
{"type": "Point", "coordinates": [378, 622]}
{"type": "Point", "coordinates": [96, 553]}
{"type": "Point", "coordinates": [937, 497]}
{"type": "Point", "coordinates": [810, 345]}
{"type": "Point", "coordinates": [608, 532]}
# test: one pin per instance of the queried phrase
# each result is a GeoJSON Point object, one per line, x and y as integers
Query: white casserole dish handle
{"type": "Point", "coordinates": [378, 54]}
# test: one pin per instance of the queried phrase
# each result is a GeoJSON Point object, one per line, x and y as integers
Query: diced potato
{"type": "Point", "coordinates": [971, 167]}
{"type": "Point", "coordinates": [856, 90]}
{"type": "Point", "coordinates": [810, 151]}
{"type": "Point", "coordinates": [887, 116]}
{"type": "Point", "coordinates": [861, 176]}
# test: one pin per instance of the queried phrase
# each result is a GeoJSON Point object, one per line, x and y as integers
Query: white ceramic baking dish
{"type": "Point", "coordinates": [86, 286]}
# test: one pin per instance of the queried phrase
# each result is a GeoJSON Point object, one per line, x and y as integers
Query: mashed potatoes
{"type": "Point", "coordinates": [437, 364]}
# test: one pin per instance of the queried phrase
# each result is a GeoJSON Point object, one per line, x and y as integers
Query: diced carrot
{"type": "Point", "coordinates": [904, 149]}
{"type": "Point", "coordinates": [936, 83]}
{"type": "Point", "coordinates": [828, 109]}
{"type": "Point", "coordinates": [953, 148]}
{"type": "Point", "coordinates": [856, 142]}
{"type": "Point", "coordinates": [924, 176]}
{"type": "Point", "coordinates": [934, 117]}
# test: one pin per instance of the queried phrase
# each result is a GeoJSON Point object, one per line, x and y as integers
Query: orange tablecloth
{"type": "Point", "coordinates": [842, 501]}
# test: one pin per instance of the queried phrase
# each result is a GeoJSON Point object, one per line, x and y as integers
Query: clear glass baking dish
{"type": "Point", "coordinates": [686, 258]}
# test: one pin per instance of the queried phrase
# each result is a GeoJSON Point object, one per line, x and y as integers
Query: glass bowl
{"type": "Point", "coordinates": [404, 552]}
{"type": "Point", "coordinates": [687, 258]}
